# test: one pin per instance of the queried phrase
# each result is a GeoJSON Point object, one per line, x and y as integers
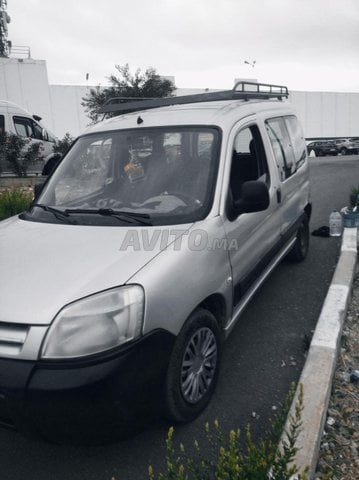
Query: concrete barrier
{"type": "Point", "coordinates": [319, 368]}
{"type": "Point", "coordinates": [15, 182]}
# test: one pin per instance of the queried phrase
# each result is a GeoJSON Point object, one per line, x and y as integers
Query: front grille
{"type": "Point", "coordinates": [12, 338]}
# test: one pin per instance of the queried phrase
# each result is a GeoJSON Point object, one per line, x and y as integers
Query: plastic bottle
{"type": "Point", "coordinates": [335, 224]}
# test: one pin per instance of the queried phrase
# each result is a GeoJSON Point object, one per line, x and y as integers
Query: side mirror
{"type": "Point", "coordinates": [52, 161]}
{"type": "Point", "coordinates": [254, 197]}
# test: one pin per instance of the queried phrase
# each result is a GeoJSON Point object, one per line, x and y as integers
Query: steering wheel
{"type": "Point", "coordinates": [185, 197]}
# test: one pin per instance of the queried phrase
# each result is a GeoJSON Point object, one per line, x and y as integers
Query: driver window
{"type": "Point", "coordinates": [22, 126]}
{"type": "Point", "coordinates": [248, 160]}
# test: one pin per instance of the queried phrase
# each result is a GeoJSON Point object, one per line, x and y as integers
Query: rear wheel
{"type": "Point", "coordinates": [300, 248]}
{"type": "Point", "coordinates": [343, 151]}
{"type": "Point", "coordinates": [193, 369]}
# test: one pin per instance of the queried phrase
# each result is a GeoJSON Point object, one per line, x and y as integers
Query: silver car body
{"type": "Point", "coordinates": [46, 266]}
{"type": "Point", "coordinates": [52, 265]}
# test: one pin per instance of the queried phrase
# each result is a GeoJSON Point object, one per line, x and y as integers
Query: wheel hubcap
{"type": "Point", "coordinates": [198, 365]}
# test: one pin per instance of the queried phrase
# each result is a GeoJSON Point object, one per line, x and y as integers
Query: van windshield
{"type": "Point", "coordinates": [166, 176]}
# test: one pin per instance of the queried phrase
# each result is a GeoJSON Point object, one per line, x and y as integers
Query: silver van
{"type": "Point", "coordinates": [136, 259]}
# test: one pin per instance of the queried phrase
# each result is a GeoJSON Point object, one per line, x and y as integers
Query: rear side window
{"type": "Point", "coordinates": [282, 146]}
{"type": "Point", "coordinates": [2, 124]}
{"type": "Point", "coordinates": [297, 138]}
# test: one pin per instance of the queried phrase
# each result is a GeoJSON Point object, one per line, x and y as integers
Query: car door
{"type": "Point", "coordinates": [289, 154]}
{"type": "Point", "coordinates": [254, 238]}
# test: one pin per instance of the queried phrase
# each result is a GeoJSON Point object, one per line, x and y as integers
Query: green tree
{"type": "Point", "coordinates": [61, 146]}
{"type": "Point", "coordinates": [142, 85]}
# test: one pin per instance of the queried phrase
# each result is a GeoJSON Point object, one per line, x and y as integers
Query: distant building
{"type": "Point", "coordinates": [25, 82]}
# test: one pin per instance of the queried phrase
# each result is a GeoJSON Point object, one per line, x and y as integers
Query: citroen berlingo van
{"type": "Point", "coordinates": [133, 264]}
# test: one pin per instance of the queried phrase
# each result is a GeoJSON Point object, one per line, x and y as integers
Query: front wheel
{"type": "Point", "coordinates": [343, 151]}
{"type": "Point", "coordinates": [193, 368]}
{"type": "Point", "coordinates": [301, 246]}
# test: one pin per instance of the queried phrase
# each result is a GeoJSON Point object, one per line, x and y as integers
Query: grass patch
{"type": "Point", "coordinates": [14, 201]}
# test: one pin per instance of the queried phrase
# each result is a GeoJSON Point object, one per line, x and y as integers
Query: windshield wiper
{"type": "Point", "coordinates": [60, 214]}
{"type": "Point", "coordinates": [142, 218]}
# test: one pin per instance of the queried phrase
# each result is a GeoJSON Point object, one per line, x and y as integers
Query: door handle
{"type": "Point", "coordinates": [279, 195]}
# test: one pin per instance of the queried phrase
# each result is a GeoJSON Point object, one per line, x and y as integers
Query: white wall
{"type": "Point", "coordinates": [68, 113]}
{"type": "Point", "coordinates": [328, 114]}
{"type": "Point", "coordinates": [25, 82]}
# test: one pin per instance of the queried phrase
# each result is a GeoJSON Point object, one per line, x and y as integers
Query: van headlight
{"type": "Point", "coordinates": [96, 323]}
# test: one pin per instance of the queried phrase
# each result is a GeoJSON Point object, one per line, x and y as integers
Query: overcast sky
{"type": "Point", "coordinates": [305, 44]}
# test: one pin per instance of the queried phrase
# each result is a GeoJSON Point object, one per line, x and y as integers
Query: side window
{"type": "Point", "coordinates": [2, 124]}
{"type": "Point", "coordinates": [26, 127]}
{"type": "Point", "coordinates": [282, 147]}
{"type": "Point", "coordinates": [297, 138]}
{"type": "Point", "coordinates": [249, 161]}
{"type": "Point", "coordinates": [23, 126]}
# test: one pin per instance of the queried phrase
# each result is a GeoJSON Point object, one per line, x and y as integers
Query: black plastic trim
{"type": "Point", "coordinates": [241, 287]}
{"type": "Point", "coordinates": [93, 401]}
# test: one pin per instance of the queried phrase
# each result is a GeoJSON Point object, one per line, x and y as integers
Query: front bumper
{"type": "Point", "coordinates": [95, 400]}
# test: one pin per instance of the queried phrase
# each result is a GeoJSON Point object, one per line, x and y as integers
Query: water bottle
{"type": "Point", "coordinates": [335, 224]}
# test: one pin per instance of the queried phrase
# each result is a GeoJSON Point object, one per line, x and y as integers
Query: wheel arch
{"type": "Point", "coordinates": [308, 210]}
{"type": "Point", "coordinates": [216, 304]}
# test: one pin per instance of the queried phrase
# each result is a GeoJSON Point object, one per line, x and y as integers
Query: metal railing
{"type": "Point", "coordinates": [241, 91]}
{"type": "Point", "coordinates": [17, 51]}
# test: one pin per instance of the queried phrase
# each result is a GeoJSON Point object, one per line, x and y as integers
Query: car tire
{"type": "Point", "coordinates": [193, 368]}
{"type": "Point", "coordinates": [343, 151]}
{"type": "Point", "coordinates": [320, 153]}
{"type": "Point", "coordinates": [301, 246]}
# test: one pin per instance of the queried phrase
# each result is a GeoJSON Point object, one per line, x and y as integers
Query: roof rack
{"type": "Point", "coordinates": [240, 91]}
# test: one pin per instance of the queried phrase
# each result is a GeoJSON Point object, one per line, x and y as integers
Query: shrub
{"type": "Point", "coordinates": [19, 153]}
{"type": "Point", "coordinates": [14, 201]}
{"type": "Point", "coordinates": [234, 460]}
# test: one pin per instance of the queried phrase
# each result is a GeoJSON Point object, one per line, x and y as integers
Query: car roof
{"type": "Point", "coordinates": [219, 113]}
